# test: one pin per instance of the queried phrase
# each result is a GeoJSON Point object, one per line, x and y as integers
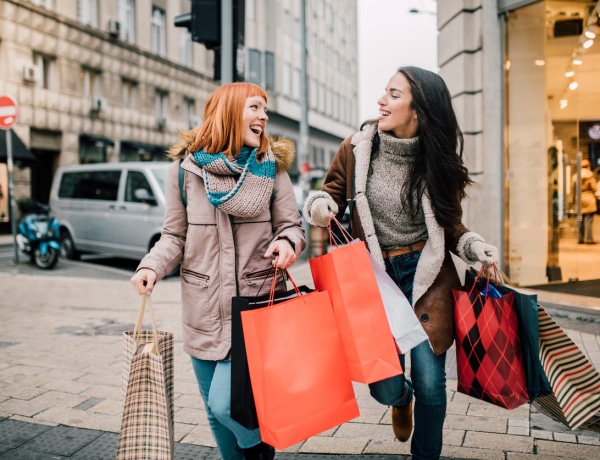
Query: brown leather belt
{"type": "Point", "coordinates": [403, 250]}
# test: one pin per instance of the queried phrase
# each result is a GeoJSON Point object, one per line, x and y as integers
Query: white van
{"type": "Point", "coordinates": [109, 208]}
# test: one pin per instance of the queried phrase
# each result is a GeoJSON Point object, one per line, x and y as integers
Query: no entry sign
{"type": "Point", "coordinates": [8, 112]}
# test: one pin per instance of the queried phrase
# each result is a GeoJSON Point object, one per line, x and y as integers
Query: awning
{"type": "Point", "coordinates": [96, 141]}
{"type": "Point", "coordinates": [142, 148]}
{"type": "Point", "coordinates": [21, 155]}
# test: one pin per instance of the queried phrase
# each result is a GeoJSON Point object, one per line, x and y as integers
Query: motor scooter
{"type": "Point", "coordinates": [39, 234]}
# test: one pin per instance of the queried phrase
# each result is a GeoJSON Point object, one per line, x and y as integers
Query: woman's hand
{"type": "Point", "coordinates": [485, 253]}
{"type": "Point", "coordinates": [284, 253]}
{"type": "Point", "coordinates": [143, 280]}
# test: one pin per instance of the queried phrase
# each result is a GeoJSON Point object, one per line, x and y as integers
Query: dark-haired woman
{"type": "Point", "coordinates": [404, 178]}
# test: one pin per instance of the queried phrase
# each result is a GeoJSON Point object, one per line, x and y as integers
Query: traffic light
{"type": "Point", "coordinates": [203, 22]}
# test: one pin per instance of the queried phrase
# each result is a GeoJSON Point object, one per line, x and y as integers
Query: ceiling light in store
{"type": "Point", "coordinates": [577, 60]}
{"type": "Point", "coordinates": [573, 85]}
{"type": "Point", "coordinates": [590, 34]}
{"type": "Point", "coordinates": [563, 104]}
{"type": "Point", "coordinates": [588, 43]}
{"type": "Point", "coordinates": [539, 62]}
{"type": "Point", "coordinates": [569, 73]}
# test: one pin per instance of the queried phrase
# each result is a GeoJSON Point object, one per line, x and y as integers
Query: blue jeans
{"type": "Point", "coordinates": [214, 380]}
{"type": "Point", "coordinates": [428, 376]}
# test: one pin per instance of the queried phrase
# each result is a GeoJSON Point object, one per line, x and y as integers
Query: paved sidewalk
{"type": "Point", "coordinates": [61, 376]}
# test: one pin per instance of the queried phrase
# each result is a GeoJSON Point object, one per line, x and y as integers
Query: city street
{"type": "Point", "coordinates": [61, 377]}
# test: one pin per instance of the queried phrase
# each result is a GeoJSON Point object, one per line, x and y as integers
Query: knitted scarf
{"type": "Point", "coordinates": [241, 186]}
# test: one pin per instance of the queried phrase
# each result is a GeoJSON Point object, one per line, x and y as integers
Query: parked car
{"type": "Point", "coordinates": [109, 208]}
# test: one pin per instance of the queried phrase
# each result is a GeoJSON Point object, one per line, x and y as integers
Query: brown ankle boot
{"type": "Point", "coordinates": [402, 422]}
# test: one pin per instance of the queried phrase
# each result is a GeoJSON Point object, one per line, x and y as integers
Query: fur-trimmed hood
{"type": "Point", "coordinates": [283, 149]}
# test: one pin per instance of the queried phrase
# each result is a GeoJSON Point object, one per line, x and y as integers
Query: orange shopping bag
{"type": "Point", "coordinates": [298, 372]}
{"type": "Point", "coordinates": [347, 274]}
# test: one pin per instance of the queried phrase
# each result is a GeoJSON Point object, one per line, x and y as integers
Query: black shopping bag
{"type": "Point", "coordinates": [243, 409]}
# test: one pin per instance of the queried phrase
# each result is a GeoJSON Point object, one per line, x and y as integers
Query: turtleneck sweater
{"type": "Point", "coordinates": [389, 170]}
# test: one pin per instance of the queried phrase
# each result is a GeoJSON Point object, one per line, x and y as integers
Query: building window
{"type": "Point", "coordinates": [189, 113]}
{"type": "Point", "coordinates": [185, 47]}
{"type": "Point", "coordinates": [255, 66]}
{"type": "Point", "coordinates": [126, 17]}
{"type": "Point", "coordinates": [286, 78]}
{"type": "Point", "coordinates": [312, 93]}
{"type": "Point", "coordinates": [296, 84]}
{"type": "Point", "coordinates": [161, 100]}
{"type": "Point", "coordinates": [269, 70]}
{"type": "Point", "coordinates": [44, 67]}
{"type": "Point", "coordinates": [129, 94]}
{"type": "Point", "coordinates": [159, 37]}
{"type": "Point", "coordinates": [87, 12]}
{"type": "Point", "coordinates": [44, 3]}
{"type": "Point", "coordinates": [90, 83]}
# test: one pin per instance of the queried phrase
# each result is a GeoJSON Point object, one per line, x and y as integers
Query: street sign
{"type": "Point", "coordinates": [8, 112]}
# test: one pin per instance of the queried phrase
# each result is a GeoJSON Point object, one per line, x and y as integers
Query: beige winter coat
{"type": "Point", "coordinates": [221, 256]}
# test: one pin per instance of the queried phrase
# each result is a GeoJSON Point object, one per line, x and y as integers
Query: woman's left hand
{"type": "Point", "coordinates": [485, 253]}
{"type": "Point", "coordinates": [285, 256]}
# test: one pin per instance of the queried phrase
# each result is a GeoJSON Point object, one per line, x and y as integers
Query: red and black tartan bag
{"type": "Point", "coordinates": [488, 348]}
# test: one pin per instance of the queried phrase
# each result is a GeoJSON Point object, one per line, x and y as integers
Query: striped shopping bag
{"type": "Point", "coordinates": [575, 382]}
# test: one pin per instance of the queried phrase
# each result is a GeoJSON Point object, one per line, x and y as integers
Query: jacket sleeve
{"type": "Point", "coordinates": [285, 217]}
{"type": "Point", "coordinates": [166, 254]}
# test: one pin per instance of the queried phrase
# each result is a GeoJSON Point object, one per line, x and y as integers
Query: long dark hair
{"type": "Point", "coordinates": [438, 164]}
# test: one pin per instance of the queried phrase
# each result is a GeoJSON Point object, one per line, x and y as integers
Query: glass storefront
{"type": "Point", "coordinates": [552, 123]}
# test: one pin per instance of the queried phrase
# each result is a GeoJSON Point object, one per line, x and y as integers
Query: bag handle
{"type": "Point", "coordinates": [333, 239]}
{"type": "Point", "coordinates": [146, 301]}
{"type": "Point", "coordinates": [485, 272]}
{"type": "Point", "coordinates": [274, 285]}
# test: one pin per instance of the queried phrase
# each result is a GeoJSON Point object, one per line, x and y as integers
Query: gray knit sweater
{"type": "Point", "coordinates": [389, 170]}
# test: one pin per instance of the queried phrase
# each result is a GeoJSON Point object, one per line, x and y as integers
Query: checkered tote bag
{"type": "Point", "coordinates": [147, 425]}
{"type": "Point", "coordinates": [488, 347]}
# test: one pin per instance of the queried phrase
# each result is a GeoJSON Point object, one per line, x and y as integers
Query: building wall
{"type": "Point", "coordinates": [55, 116]}
{"type": "Point", "coordinates": [470, 61]}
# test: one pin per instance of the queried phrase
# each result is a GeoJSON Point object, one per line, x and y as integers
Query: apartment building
{"type": "Point", "coordinates": [115, 80]}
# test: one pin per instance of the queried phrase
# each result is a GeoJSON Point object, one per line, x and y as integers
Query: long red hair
{"type": "Point", "coordinates": [221, 129]}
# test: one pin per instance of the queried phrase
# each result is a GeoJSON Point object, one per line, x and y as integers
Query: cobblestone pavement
{"type": "Point", "coordinates": [61, 376]}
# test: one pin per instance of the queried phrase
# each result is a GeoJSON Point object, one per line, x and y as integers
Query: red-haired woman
{"type": "Point", "coordinates": [241, 218]}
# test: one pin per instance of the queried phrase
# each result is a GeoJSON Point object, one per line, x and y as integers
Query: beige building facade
{"type": "Point", "coordinates": [115, 80]}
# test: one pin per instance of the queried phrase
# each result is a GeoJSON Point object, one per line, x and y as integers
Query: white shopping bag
{"type": "Point", "coordinates": [404, 324]}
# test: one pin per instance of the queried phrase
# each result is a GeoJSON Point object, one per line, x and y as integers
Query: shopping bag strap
{"type": "Point", "coordinates": [485, 272]}
{"type": "Point", "coordinates": [274, 285]}
{"type": "Point", "coordinates": [146, 301]}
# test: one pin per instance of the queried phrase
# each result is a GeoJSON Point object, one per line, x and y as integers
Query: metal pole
{"type": "Point", "coordinates": [11, 192]}
{"type": "Point", "coordinates": [226, 41]}
{"type": "Point", "coordinates": [303, 144]}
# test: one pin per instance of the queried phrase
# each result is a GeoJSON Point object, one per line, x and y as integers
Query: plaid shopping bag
{"type": "Point", "coordinates": [147, 426]}
{"type": "Point", "coordinates": [488, 347]}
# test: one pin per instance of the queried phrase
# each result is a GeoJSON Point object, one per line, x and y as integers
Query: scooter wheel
{"type": "Point", "coordinates": [46, 261]}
